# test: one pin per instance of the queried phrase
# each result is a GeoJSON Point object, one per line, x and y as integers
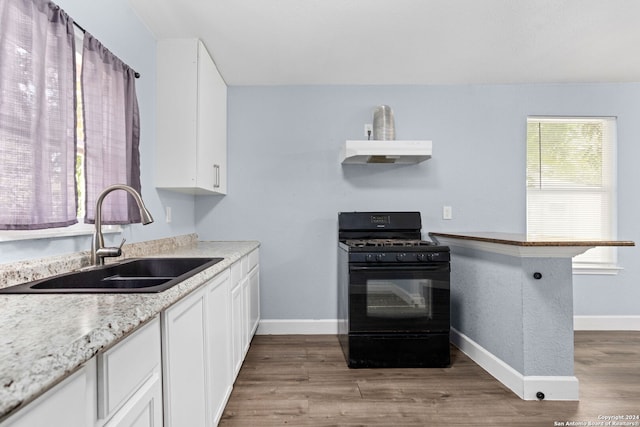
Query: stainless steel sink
{"type": "Point", "coordinates": [140, 275]}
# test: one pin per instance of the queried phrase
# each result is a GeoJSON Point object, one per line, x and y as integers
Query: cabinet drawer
{"type": "Point", "coordinates": [124, 368]}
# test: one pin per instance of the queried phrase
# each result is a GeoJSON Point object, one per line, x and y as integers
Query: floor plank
{"type": "Point", "coordinates": [303, 380]}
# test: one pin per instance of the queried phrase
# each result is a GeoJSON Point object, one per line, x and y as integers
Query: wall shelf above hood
{"type": "Point", "coordinates": [399, 152]}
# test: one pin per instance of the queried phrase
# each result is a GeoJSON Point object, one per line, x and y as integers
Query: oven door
{"type": "Point", "coordinates": [399, 298]}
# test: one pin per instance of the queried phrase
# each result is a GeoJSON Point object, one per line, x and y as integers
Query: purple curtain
{"type": "Point", "coordinates": [37, 116]}
{"type": "Point", "coordinates": [112, 132]}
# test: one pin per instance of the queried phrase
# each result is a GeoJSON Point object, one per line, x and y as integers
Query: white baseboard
{"type": "Point", "coordinates": [330, 326]}
{"type": "Point", "coordinates": [606, 323]}
{"type": "Point", "coordinates": [526, 387]}
{"type": "Point", "coordinates": [298, 327]}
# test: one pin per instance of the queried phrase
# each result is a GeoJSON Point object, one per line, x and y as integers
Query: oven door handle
{"type": "Point", "coordinates": [399, 267]}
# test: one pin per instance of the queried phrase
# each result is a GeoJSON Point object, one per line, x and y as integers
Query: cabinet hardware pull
{"type": "Point", "coordinates": [216, 169]}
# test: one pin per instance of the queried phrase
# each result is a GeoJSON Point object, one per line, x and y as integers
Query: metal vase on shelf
{"type": "Point", "coordinates": [383, 125]}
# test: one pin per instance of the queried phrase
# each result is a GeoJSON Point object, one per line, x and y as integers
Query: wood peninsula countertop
{"type": "Point", "coordinates": [521, 239]}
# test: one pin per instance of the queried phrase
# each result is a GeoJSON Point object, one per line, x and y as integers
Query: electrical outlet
{"type": "Point", "coordinates": [447, 212]}
{"type": "Point", "coordinates": [168, 214]}
{"type": "Point", "coordinates": [368, 130]}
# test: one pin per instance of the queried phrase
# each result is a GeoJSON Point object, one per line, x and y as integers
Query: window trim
{"type": "Point", "coordinates": [52, 233]}
{"type": "Point", "coordinates": [586, 269]}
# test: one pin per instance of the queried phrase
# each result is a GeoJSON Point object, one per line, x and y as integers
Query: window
{"type": "Point", "coordinates": [571, 184]}
{"type": "Point", "coordinates": [61, 147]}
{"type": "Point", "coordinates": [37, 139]}
{"type": "Point", "coordinates": [78, 228]}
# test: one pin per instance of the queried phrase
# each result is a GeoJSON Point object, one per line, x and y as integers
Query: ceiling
{"type": "Point", "coordinates": [309, 42]}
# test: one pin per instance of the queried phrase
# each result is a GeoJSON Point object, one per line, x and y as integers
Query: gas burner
{"type": "Point", "coordinates": [361, 243]}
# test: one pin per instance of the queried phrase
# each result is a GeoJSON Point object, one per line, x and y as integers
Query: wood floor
{"type": "Point", "coordinates": [301, 380]}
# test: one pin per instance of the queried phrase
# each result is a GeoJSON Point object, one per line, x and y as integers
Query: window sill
{"type": "Point", "coordinates": [596, 269]}
{"type": "Point", "coordinates": [52, 233]}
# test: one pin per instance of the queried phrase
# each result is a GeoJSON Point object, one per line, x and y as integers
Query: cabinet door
{"type": "Point", "coordinates": [144, 409]}
{"type": "Point", "coordinates": [184, 364]}
{"type": "Point", "coordinates": [219, 343]}
{"type": "Point", "coordinates": [237, 326]}
{"type": "Point", "coordinates": [68, 404]}
{"type": "Point", "coordinates": [212, 125]}
{"type": "Point", "coordinates": [177, 109]}
{"type": "Point", "coordinates": [254, 301]}
{"type": "Point", "coordinates": [246, 320]}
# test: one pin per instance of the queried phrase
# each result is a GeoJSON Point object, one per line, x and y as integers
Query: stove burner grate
{"type": "Point", "coordinates": [361, 243]}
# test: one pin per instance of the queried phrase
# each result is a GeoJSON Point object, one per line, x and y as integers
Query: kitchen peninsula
{"type": "Point", "coordinates": [512, 308]}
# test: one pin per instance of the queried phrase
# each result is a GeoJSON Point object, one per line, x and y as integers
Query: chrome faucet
{"type": "Point", "coordinates": [98, 251]}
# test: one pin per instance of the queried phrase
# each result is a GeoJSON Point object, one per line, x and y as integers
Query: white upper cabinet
{"type": "Point", "coordinates": [191, 152]}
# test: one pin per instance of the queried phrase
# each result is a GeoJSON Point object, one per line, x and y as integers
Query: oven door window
{"type": "Point", "coordinates": [403, 300]}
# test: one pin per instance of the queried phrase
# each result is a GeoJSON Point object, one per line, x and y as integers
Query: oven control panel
{"type": "Point", "coordinates": [399, 257]}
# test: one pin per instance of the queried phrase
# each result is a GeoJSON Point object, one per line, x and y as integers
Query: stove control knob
{"type": "Point", "coordinates": [422, 257]}
{"type": "Point", "coordinates": [379, 257]}
{"type": "Point", "coordinates": [401, 256]}
{"type": "Point", "coordinates": [369, 258]}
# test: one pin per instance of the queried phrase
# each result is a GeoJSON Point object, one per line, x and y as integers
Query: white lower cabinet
{"type": "Point", "coordinates": [196, 346]}
{"type": "Point", "coordinates": [245, 306]}
{"type": "Point", "coordinates": [253, 315]}
{"type": "Point", "coordinates": [185, 355]}
{"type": "Point", "coordinates": [238, 314]}
{"type": "Point", "coordinates": [68, 404]}
{"type": "Point", "coordinates": [130, 382]}
{"type": "Point", "coordinates": [219, 343]}
{"type": "Point", "coordinates": [176, 371]}
{"type": "Point", "coordinates": [121, 387]}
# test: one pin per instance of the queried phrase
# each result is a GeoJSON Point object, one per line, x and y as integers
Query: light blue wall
{"type": "Point", "coordinates": [286, 184]}
{"type": "Point", "coordinates": [114, 23]}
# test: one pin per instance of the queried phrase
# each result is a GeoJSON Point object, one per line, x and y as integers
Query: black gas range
{"type": "Point", "coordinates": [393, 297]}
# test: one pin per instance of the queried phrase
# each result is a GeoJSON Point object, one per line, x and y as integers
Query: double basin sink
{"type": "Point", "coordinates": [139, 275]}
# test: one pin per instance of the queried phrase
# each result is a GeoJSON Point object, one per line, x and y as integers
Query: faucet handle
{"type": "Point", "coordinates": [111, 252]}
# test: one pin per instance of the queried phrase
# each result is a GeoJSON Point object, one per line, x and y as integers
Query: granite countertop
{"type": "Point", "coordinates": [44, 338]}
{"type": "Point", "coordinates": [517, 239]}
